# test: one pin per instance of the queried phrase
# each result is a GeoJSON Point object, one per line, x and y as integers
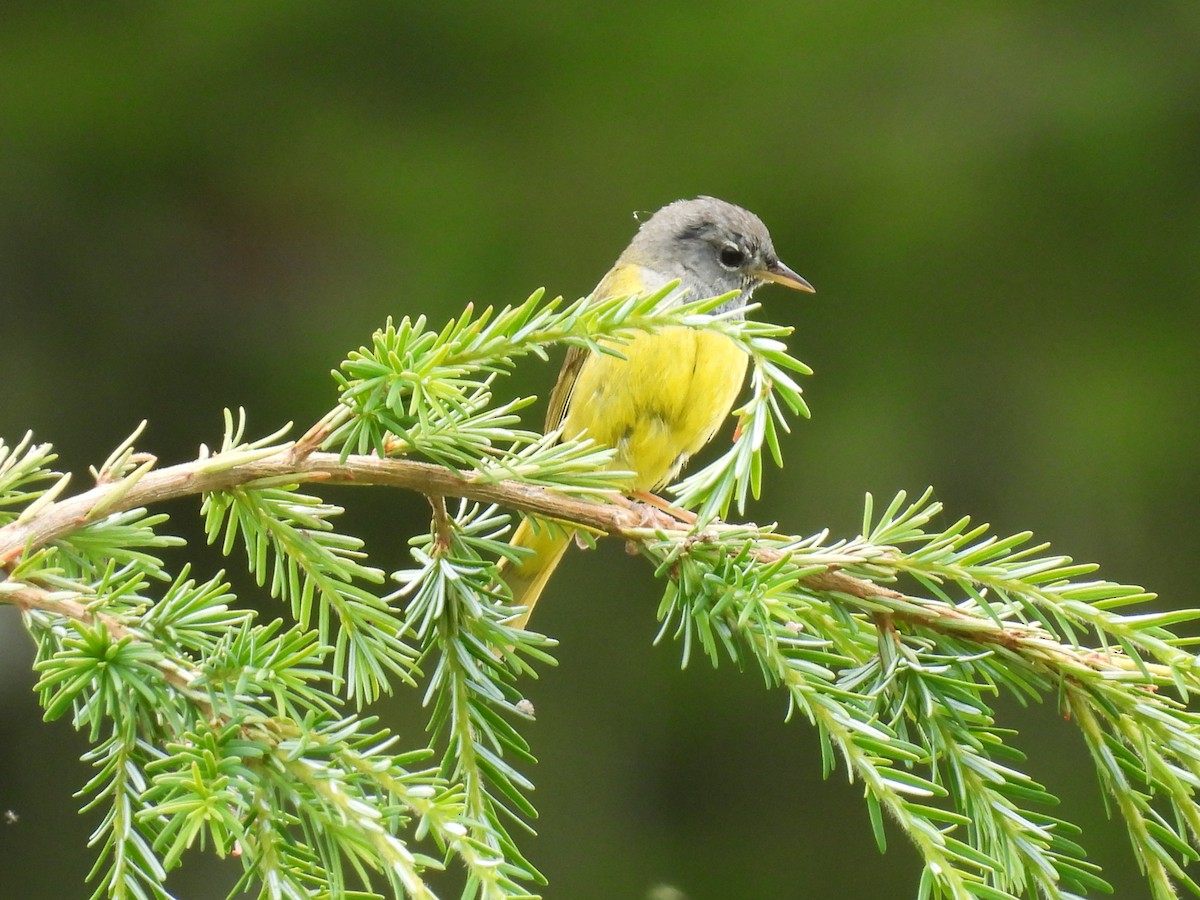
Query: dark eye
{"type": "Point", "coordinates": [731, 257]}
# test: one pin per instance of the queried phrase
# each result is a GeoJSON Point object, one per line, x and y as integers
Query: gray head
{"type": "Point", "coordinates": [712, 247]}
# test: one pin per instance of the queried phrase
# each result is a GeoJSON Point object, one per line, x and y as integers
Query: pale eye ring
{"type": "Point", "coordinates": [731, 256]}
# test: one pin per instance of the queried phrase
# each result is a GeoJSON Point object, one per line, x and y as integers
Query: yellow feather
{"type": "Point", "coordinates": [527, 578]}
{"type": "Point", "coordinates": [659, 405]}
{"type": "Point", "coordinates": [656, 407]}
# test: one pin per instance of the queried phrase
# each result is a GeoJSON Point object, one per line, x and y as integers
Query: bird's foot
{"type": "Point", "coordinates": [651, 509]}
{"type": "Point", "coordinates": [650, 499]}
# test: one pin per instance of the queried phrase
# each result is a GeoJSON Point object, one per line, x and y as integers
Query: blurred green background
{"type": "Point", "coordinates": [206, 205]}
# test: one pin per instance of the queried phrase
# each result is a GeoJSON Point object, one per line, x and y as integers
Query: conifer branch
{"type": "Point", "coordinates": [210, 728]}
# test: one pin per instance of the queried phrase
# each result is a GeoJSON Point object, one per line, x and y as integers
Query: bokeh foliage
{"type": "Point", "coordinates": [999, 204]}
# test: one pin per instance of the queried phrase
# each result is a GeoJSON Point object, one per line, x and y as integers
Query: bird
{"type": "Point", "coordinates": [670, 391]}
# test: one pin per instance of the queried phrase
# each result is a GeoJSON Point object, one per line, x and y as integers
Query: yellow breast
{"type": "Point", "coordinates": [659, 405]}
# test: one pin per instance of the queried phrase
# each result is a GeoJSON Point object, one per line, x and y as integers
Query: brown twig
{"type": "Point", "coordinates": [204, 475]}
{"type": "Point", "coordinates": [632, 522]}
{"type": "Point", "coordinates": [441, 524]}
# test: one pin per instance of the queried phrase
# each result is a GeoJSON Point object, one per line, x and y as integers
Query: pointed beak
{"type": "Point", "coordinates": [781, 274]}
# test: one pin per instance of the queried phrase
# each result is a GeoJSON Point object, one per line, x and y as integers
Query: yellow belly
{"type": "Point", "coordinates": [659, 405]}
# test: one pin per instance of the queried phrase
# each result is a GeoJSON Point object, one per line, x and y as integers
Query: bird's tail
{"type": "Point", "coordinates": [527, 578]}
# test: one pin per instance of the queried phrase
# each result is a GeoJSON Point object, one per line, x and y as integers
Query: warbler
{"type": "Point", "coordinates": [668, 396]}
